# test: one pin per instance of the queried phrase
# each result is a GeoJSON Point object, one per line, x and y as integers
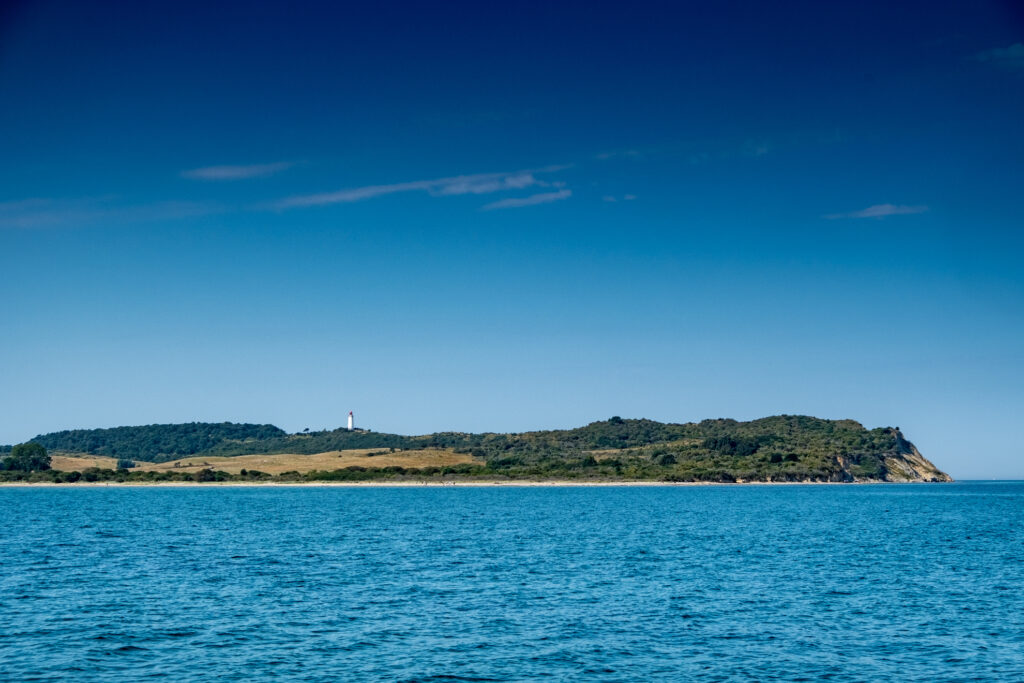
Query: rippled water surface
{"type": "Point", "coordinates": [889, 582]}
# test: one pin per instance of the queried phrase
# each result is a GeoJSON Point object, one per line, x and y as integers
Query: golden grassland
{"type": "Point", "coordinates": [69, 463]}
{"type": "Point", "coordinates": [279, 462]}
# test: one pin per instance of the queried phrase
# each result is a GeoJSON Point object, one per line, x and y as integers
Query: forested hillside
{"type": "Point", "coordinates": [157, 443]}
{"type": "Point", "coordinates": [780, 448]}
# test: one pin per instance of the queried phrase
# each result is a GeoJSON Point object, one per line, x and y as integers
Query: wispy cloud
{"type": "Point", "coordinates": [55, 213]}
{"type": "Point", "coordinates": [613, 198]}
{"type": "Point", "coordinates": [236, 172]}
{"type": "Point", "coordinates": [878, 211]}
{"type": "Point", "coordinates": [485, 185]}
{"type": "Point", "coordinates": [630, 153]}
{"type": "Point", "coordinates": [479, 183]}
{"type": "Point", "coordinates": [700, 151]}
{"type": "Point", "coordinates": [532, 200]}
{"type": "Point", "coordinates": [1010, 58]}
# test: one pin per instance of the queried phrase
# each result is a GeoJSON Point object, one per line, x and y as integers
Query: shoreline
{"type": "Point", "coordinates": [438, 484]}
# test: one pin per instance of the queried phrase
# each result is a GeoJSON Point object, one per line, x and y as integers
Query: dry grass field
{"type": "Point", "coordinates": [69, 463]}
{"type": "Point", "coordinates": [282, 462]}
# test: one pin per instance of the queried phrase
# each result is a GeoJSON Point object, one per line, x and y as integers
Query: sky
{"type": "Point", "coordinates": [507, 217]}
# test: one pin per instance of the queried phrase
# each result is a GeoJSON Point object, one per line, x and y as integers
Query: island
{"type": "Point", "coordinates": [778, 449]}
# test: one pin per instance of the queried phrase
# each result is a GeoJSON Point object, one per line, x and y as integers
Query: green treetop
{"type": "Point", "coordinates": [27, 457]}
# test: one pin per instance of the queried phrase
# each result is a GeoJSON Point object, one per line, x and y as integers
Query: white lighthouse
{"type": "Point", "coordinates": [350, 426]}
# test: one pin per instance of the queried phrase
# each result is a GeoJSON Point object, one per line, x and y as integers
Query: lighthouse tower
{"type": "Point", "coordinates": [350, 427]}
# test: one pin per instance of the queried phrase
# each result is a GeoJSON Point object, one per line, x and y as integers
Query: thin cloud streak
{"type": "Point", "coordinates": [218, 173]}
{"type": "Point", "coordinates": [27, 214]}
{"type": "Point", "coordinates": [479, 183]}
{"type": "Point", "coordinates": [532, 200]}
{"type": "Point", "coordinates": [878, 211]}
{"type": "Point", "coordinates": [1011, 58]}
{"type": "Point", "coordinates": [604, 156]}
{"type": "Point", "coordinates": [470, 185]}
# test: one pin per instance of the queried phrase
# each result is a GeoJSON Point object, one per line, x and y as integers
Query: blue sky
{"type": "Point", "coordinates": [471, 217]}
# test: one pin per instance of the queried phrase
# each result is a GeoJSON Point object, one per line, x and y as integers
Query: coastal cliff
{"type": "Point", "coordinates": [908, 465]}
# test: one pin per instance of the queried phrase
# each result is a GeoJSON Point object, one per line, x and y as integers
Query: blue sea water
{"type": "Point", "coordinates": [712, 583]}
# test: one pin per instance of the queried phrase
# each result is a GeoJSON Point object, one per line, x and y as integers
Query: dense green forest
{"type": "Point", "coordinates": [780, 448]}
{"type": "Point", "coordinates": [157, 443]}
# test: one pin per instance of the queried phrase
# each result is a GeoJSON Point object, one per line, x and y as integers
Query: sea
{"type": "Point", "coordinates": [918, 582]}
